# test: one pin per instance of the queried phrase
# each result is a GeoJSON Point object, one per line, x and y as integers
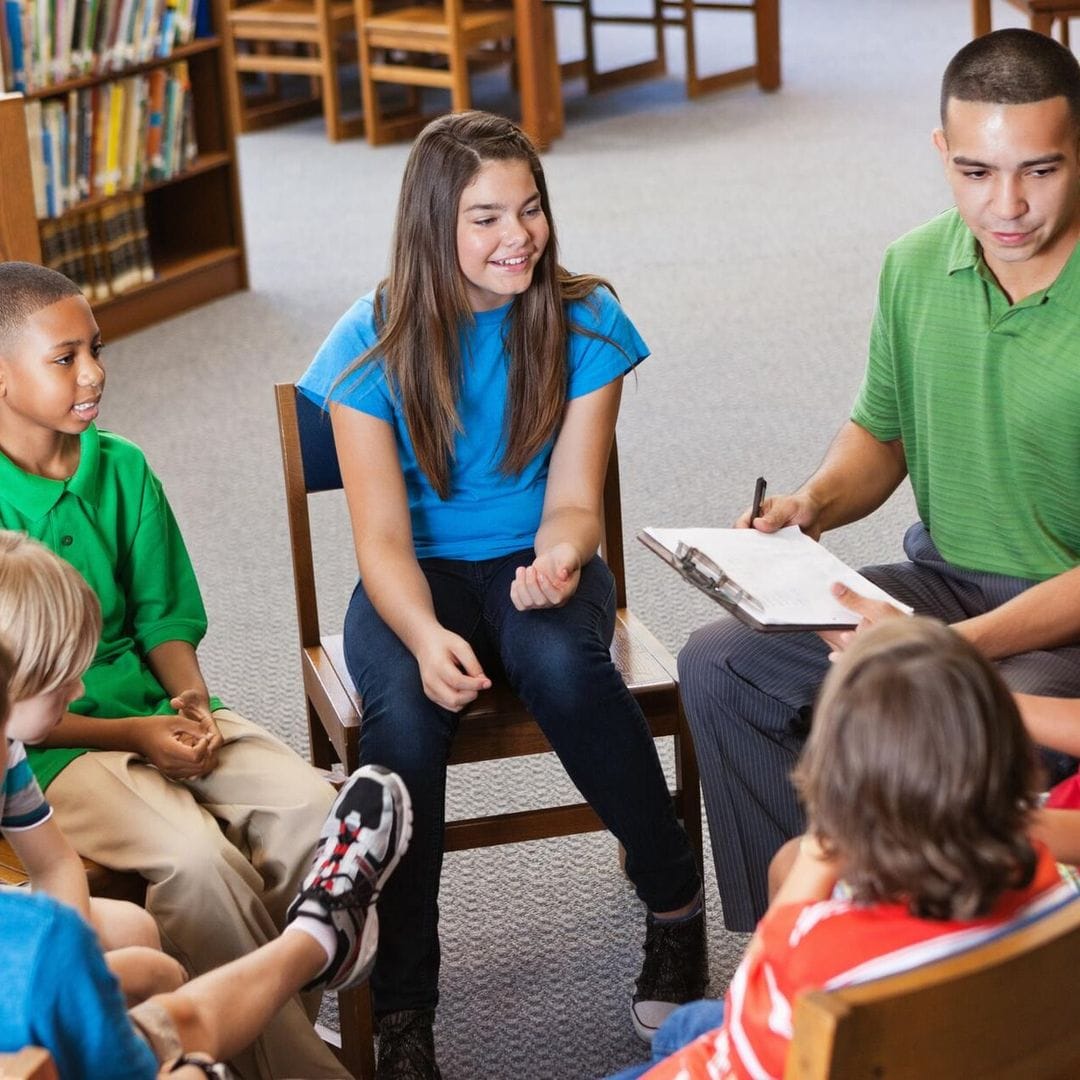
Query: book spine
{"type": "Point", "coordinates": [112, 142]}
{"type": "Point", "coordinates": [142, 235]}
{"type": "Point", "coordinates": [13, 19]}
{"type": "Point", "coordinates": [35, 137]}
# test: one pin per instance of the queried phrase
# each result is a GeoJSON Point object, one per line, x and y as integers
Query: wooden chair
{"type": "Point", "coordinates": [424, 45]}
{"type": "Point", "coordinates": [496, 725]}
{"type": "Point", "coordinates": [1042, 13]}
{"type": "Point", "coordinates": [1002, 1011]}
{"type": "Point", "coordinates": [113, 884]}
{"type": "Point", "coordinates": [289, 37]}
{"type": "Point", "coordinates": [30, 1063]}
{"type": "Point", "coordinates": [681, 13]}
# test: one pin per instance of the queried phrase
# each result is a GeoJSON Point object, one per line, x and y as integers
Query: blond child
{"type": "Point", "coordinates": [51, 634]}
{"type": "Point", "coordinates": [58, 990]}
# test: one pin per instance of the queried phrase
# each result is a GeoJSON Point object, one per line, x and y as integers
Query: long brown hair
{"type": "Point", "coordinates": [422, 303]}
{"type": "Point", "coordinates": [919, 774]}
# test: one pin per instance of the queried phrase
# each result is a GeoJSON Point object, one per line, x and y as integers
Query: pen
{"type": "Point", "coordinates": [759, 494]}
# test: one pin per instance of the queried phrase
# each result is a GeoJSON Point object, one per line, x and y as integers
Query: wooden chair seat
{"type": "Point", "coordinates": [112, 884]}
{"type": "Point", "coordinates": [292, 12]}
{"type": "Point", "coordinates": [487, 22]}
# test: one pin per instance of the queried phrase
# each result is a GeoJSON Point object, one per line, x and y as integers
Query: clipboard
{"type": "Point", "coordinates": [707, 576]}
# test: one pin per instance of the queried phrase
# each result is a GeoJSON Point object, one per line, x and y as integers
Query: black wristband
{"type": "Point", "coordinates": [214, 1070]}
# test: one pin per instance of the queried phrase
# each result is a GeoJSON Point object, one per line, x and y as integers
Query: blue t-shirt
{"type": "Point", "coordinates": [488, 513]}
{"type": "Point", "coordinates": [58, 993]}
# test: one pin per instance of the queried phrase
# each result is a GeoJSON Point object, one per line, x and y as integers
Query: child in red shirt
{"type": "Point", "coordinates": [919, 782]}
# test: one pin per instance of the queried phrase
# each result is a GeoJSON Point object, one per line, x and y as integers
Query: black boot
{"type": "Point", "coordinates": [407, 1046]}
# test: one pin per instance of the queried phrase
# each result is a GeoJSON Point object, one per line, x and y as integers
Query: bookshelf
{"type": "Point", "coordinates": [193, 218]}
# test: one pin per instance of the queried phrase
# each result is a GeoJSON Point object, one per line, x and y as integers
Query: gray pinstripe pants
{"type": "Point", "coordinates": [748, 697]}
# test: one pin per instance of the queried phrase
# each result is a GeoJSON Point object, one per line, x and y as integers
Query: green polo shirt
{"type": "Point", "coordinates": [986, 398]}
{"type": "Point", "coordinates": [111, 521]}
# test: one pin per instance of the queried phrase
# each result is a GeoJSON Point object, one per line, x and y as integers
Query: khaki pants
{"type": "Point", "coordinates": [223, 856]}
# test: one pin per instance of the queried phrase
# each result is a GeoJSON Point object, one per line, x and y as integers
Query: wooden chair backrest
{"type": "Point", "coordinates": [311, 466]}
{"type": "Point", "coordinates": [30, 1063]}
{"type": "Point", "coordinates": [1002, 1011]}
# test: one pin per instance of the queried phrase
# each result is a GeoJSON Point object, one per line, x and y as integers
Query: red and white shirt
{"type": "Point", "coordinates": [830, 944]}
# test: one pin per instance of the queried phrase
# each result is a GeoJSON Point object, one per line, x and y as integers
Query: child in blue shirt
{"type": "Point", "coordinates": [473, 397]}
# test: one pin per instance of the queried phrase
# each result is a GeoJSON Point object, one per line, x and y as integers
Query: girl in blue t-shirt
{"type": "Point", "coordinates": [473, 397]}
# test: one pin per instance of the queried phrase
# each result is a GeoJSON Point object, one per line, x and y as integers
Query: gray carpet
{"type": "Point", "coordinates": [743, 232]}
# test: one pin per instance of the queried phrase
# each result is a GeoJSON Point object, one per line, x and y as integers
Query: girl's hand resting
{"type": "Point", "coordinates": [450, 673]}
{"type": "Point", "coordinates": [550, 581]}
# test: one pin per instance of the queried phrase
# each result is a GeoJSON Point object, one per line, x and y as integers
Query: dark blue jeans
{"type": "Point", "coordinates": [558, 661]}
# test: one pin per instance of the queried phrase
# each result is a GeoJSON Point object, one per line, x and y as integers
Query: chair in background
{"type": "Point", "coordinates": [683, 14]}
{"type": "Point", "coordinates": [425, 45]}
{"type": "Point", "coordinates": [30, 1063]}
{"type": "Point", "coordinates": [1005, 1010]}
{"type": "Point", "coordinates": [273, 38]}
{"type": "Point", "coordinates": [496, 725]}
{"type": "Point", "coordinates": [1042, 13]}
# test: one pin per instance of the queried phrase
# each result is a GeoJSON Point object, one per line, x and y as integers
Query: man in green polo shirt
{"type": "Point", "coordinates": [147, 772]}
{"type": "Point", "coordinates": [972, 390]}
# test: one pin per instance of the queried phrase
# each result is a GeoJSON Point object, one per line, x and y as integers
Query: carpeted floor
{"type": "Point", "coordinates": [743, 232]}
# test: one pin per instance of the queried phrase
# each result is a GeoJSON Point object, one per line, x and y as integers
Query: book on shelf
{"type": "Point", "coordinates": [104, 249]}
{"type": "Point", "coordinates": [101, 140]}
{"type": "Point", "coordinates": [46, 42]}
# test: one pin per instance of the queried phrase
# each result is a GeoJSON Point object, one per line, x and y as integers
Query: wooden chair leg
{"type": "Point", "coordinates": [767, 43]}
{"type": "Point", "coordinates": [234, 83]}
{"type": "Point", "coordinates": [688, 781]}
{"type": "Point", "coordinates": [357, 1032]}
{"type": "Point", "coordinates": [331, 88]}
{"type": "Point", "coordinates": [980, 17]}
{"type": "Point", "coordinates": [321, 750]}
{"type": "Point", "coordinates": [1064, 24]}
{"type": "Point", "coordinates": [460, 97]}
{"type": "Point", "coordinates": [692, 82]}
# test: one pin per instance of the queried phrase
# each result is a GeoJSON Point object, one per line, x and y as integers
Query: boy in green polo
{"type": "Point", "coordinates": [146, 771]}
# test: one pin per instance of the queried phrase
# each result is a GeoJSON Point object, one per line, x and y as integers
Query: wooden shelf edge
{"type": "Point", "coordinates": [204, 163]}
{"type": "Point", "coordinates": [182, 52]}
{"type": "Point", "coordinates": [181, 284]}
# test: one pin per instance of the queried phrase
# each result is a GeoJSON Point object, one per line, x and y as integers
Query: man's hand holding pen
{"type": "Point", "coordinates": [778, 511]}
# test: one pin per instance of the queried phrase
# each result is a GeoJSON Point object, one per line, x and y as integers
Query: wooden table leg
{"type": "Point", "coordinates": [538, 72]}
{"type": "Point", "coordinates": [980, 17]}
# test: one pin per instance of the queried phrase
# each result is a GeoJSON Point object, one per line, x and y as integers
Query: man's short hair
{"type": "Point", "coordinates": [26, 288]}
{"type": "Point", "coordinates": [1012, 67]}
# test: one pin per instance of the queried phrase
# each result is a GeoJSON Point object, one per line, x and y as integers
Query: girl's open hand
{"type": "Point", "coordinates": [450, 673]}
{"type": "Point", "coordinates": [549, 582]}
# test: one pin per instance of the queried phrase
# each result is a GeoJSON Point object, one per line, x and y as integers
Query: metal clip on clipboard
{"type": "Point", "coordinates": [701, 571]}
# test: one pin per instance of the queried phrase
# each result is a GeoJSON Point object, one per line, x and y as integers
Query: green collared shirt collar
{"type": "Point", "coordinates": [965, 254]}
{"type": "Point", "coordinates": [34, 496]}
